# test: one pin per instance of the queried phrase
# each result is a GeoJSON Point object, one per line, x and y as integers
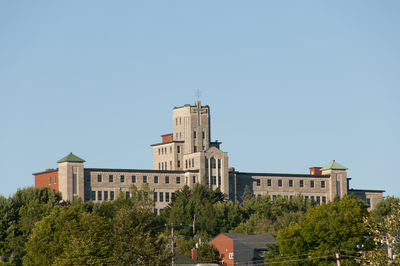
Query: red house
{"type": "Point", "coordinates": [243, 249]}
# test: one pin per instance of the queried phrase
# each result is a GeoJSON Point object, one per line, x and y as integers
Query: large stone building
{"type": "Point", "coordinates": [187, 156]}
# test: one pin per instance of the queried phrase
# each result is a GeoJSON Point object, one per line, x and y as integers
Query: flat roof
{"type": "Point", "coordinates": [281, 174]}
{"type": "Point", "coordinates": [366, 190]}
{"type": "Point", "coordinates": [140, 171]}
{"type": "Point", "coordinates": [46, 171]}
{"type": "Point", "coordinates": [169, 142]}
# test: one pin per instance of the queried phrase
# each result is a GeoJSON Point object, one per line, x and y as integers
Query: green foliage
{"type": "Point", "coordinates": [19, 214]}
{"type": "Point", "coordinates": [207, 253]}
{"type": "Point", "coordinates": [325, 230]}
{"type": "Point", "coordinates": [247, 194]}
{"type": "Point", "coordinates": [385, 232]}
{"type": "Point", "coordinates": [198, 203]}
{"type": "Point", "coordinates": [135, 238]}
{"type": "Point", "coordinates": [269, 216]}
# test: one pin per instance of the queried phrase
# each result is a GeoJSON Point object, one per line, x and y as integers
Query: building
{"type": "Point", "coordinates": [187, 156]}
{"type": "Point", "coordinates": [242, 249]}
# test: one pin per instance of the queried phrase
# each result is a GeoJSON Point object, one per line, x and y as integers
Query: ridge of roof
{"type": "Point", "coordinates": [334, 166]}
{"type": "Point", "coordinates": [71, 158]}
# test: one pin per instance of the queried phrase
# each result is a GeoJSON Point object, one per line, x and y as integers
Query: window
{"type": "Point", "coordinates": [322, 184]}
{"type": "Point", "coordinates": [172, 196]}
{"type": "Point", "coordinates": [306, 197]}
{"type": "Point", "coordinates": [323, 199]}
{"type": "Point", "coordinates": [269, 182]}
{"type": "Point", "coordinates": [155, 179]}
{"type": "Point", "coordinates": [99, 178]}
{"type": "Point", "coordinates": [55, 179]}
{"type": "Point", "coordinates": [273, 197]}
{"type": "Point", "coordinates": [159, 151]}
{"type": "Point", "coordinates": [219, 180]}
{"type": "Point", "coordinates": [189, 163]}
{"type": "Point", "coordinates": [166, 179]}
{"type": "Point", "coordinates": [279, 182]}
{"type": "Point", "coordinates": [258, 182]}
{"type": "Point", "coordinates": [318, 200]}
{"type": "Point", "coordinates": [176, 121]}
{"type": "Point", "coordinates": [170, 149]}
{"type": "Point", "coordinates": [290, 183]}
{"type": "Point", "coordinates": [50, 180]}
{"type": "Point", "coordinates": [178, 179]}
{"type": "Point", "coordinates": [195, 148]}
{"type": "Point", "coordinates": [194, 179]}
{"type": "Point", "coordinates": [110, 178]}
{"type": "Point", "coordinates": [161, 196]}
{"type": "Point", "coordinates": [155, 196]}
{"type": "Point", "coordinates": [111, 195]}
{"type": "Point", "coordinates": [231, 255]}
{"type": "Point", "coordinates": [170, 165]}
{"type": "Point", "coordinates": [291, 197]}
{"type": "Point", "coordinates": [301, 183]}
{"type": "Point", "coordinates": [193, 162]}
{"type": "Point", "coordinates": [99, 195]}
{"type": "Point", "coordinates": [180, 121]}
{"type": "Point", "coordinates": [162, 165]}
{"type": "Point", "coordinates": [178, 148]}
{"type": "Point", "coordinates": [122, 178]}
{"type": "Point", "coordinates": [127, 194]}
{"type": "Point", "coordinates": [202, 134]}
{"type": "Point", "coordinates": [74, 184]}
{"type": "Point", "coordinates": [93, 195]}
{"type": "Point", "coordinates": [312, 183]}
{"type": "Point", "coordinates": [219, 163]}
{"type": "Point", "coordinates": [179, 164]}
{"type": "Point", "coordinates": [166, 196]}
{"type": "Point", "coordinates": [312, 198]}
{"type": "Point", "coordinates": [144, 179]}
{"type": "Point", "coordinates": [105, 195]}
{"type": "Point", "coordinates": [159, 166]}
{"type": "Point", "coordinates": [368, 202]}
{"type": "Point", "coordinates": [133, 179]}
{"type": "Point", "coordinates": [155, 211]}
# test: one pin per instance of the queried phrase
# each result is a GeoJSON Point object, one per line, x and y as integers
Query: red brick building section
{"type": "Point", "coordinates": [224, 244]}
{"type": "Point", "coordinates": [242, 249]}
{"type": "Point", "coordinates": [48, 178]}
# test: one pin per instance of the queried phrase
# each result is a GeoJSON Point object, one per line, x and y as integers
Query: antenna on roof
{"type": "Point", "coordinates": [198, 94]}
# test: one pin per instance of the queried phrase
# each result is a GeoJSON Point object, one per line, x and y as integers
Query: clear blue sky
{"type": "Point", "coordinates": [290, 84]}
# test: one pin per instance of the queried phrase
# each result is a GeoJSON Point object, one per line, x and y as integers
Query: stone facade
{"type": "Point", "coordinates": [187, 156]}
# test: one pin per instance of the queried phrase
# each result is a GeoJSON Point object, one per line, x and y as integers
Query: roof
{"type": "Point", "coordinates": [151, 171]}
{"type": "Point", "coordinates": [279, 174]}
{"type": "Point", "coordinates": [169, 142]}
{"type": "Point", "coordinates": [366, 190]}
{"type": "Point", "coordinates": [71, 158]}
{"type": "Point", "coordinates": [256, 241]}
{"type": "Point", "coordinates": [334, 166]}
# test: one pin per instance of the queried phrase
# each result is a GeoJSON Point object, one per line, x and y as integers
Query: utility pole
{"type": "Point", "coordinates": [194, 225]}
{"type": "Point", "coordinates": [337, 256]}
{"type": "Point", "coordinates": [172, 246]}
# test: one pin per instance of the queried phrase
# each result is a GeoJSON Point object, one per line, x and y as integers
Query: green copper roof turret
{"type": "Point", "coordinates": [71, 158]}
{"type": "Point", "coordinates": [334, 166]}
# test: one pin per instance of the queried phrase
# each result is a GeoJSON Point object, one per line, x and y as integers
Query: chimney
{"type": "Point", "coordinates": [194, 254]}
{"type": "Point", "coordinates": [315, 170]}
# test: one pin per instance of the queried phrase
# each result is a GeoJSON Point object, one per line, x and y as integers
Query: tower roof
{"type": "Point", "coordinates": [334, 166]}
{"type": "Point", "coordinates": [71, 158]}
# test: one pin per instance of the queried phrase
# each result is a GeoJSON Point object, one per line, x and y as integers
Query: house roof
{"type": "Point", "coordinates": [71, 158]}
{"type": "Point", "coordinates": [256, 241]}
{"type": "Point", "coordinates": [334, 166]}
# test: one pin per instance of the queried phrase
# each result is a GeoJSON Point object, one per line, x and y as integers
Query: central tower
{"type": "Point", "coordinates": [191, 124]}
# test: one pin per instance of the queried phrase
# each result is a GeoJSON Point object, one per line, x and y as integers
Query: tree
{"type": "Point", "coordinates": [336, 227]}
{"type": "Point", "coordinates": [19, 214]}
{"type": "Point", "coordinates": [135, 238]}
{"type": "Point", "coordinates": [385, 231]}
{"type": "Point", "coordinates": [207, 253]}
{"type": "Point", "coordinates": [69, 235]}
